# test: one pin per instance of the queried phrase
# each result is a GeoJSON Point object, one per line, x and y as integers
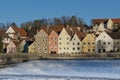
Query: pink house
{"type": "Point", "coordinates": [53, 42]}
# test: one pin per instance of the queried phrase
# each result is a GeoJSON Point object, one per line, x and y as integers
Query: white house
{"type": "Point", "coordinates": [64, 41]}
{"type": "Point", "coordinates": [75, 44]}
{"type": "Point", "coordinates": [104, 43]}
{"type": "Point", "coordinates": [16, 33]}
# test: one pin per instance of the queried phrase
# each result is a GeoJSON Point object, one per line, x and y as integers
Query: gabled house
{"type": "Point", "coordinates": [16, 33]}
{"type": "Point", "coordinates": [31, 48]}
{"type": "Point", "coordinates": [41, 41]}
{"type": "Point", "coordinates": [116, 41]}
{"type": "Point", "coordinates": [53, 42]}
{"type": "Point", "coordinates": [88, 43]}
{"type": "Point", "coordinates": [64, 41]}
{"type": "Point", "coordinates": [76, 41]}
{"type": "Point", "coordinates": [12, 47]}
{"type": "Point", "coordinates": [104, 43]}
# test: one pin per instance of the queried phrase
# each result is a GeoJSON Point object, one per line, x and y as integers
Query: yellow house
{"type": "Point", "coordinates": [31, 48]}
{"type": "Point", "coordinates": [88, 43]}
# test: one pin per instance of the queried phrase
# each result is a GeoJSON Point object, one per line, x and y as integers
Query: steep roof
{"type": "Point", "coordinates": [80, 34]}
{"type": "Point", "coordinates": [57, 28]}
{"type": "Point", "coordinates": [114, 35]}
{"type": "Point", "coordinates": [3, 34]}
{"type": "Point", "coordinates": [20, 30]}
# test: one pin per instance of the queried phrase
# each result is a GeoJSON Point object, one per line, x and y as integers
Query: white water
{"type": "Point", "coordinates": [63, 70]}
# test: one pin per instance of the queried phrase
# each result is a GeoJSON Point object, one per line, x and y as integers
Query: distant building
{"type": "Point", "coordinates": [108, 23]}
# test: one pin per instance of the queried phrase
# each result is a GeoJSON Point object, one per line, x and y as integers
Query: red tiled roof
{"type": "Point", "coordinates": [98, 21]}
{"type": "Point", "coordinates": [80, 34]}
{"type": "Point", "coordinates": [21, 31]}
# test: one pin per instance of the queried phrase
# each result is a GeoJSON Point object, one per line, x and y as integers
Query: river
{"type": "Point", "coordinates": [63, 70]}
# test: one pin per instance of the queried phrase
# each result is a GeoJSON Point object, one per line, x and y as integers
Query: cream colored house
{"type": "Point", "coordinates": [12, 47]}
{"type": "Point", "coordinates": [110, 24]}
{"type": "Point", "coordinates": [88, 43]}
{"type": "Point", "coordinates": [41, 42]}
{"type": "Point", "coordinates": [64, 41]}
{"type": "Point", "coordinates": [31, 48]}
{"type": "Point", "coordinates": [104, 43]}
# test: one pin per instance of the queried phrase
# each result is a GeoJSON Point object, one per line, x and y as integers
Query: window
{"type": "Point", "coordinates": [78, 43]}
{"type": "Point", "coordinates": [73, 43]}
{"type": "Point", "coordinates": [60, 48]}
{"type": "Point", "coordinates": [67, 48]}
{"type": "Point", "coordinates": [60, 43]}
{"type": "Point", "coordinates": [59, 38]}
{"type": "Point", "coordinates": [88, 43]}
{"type": "Point", "coordinates": [108, 42]}
{"type": "Point", "coordinates": [84, 43]}
{"type": "Point", "coordinates": [67, 42]}
{"type": "Point", "coordinates": [55, 42]}
{"type": "Point", "coordinates": [104, 36]}
{"type": "Point", "coordinates": [78, 48]}
{"type": "Point", "coordinates": [45, 49]}
{"type": "Point", "coordinates": [88, 49]}
{"type": "Point", "coordinates": [74, 38]}
{"type": "Point", "coordinates": [93, 43]}
{"type": "Point", "coordinates": [117, 42]}
{"type": "Point", "coordinates": [67, 38]}
{"type": "Point", "coordinates": [51, 38]}
{"type": "Point", "coordinates": [93, 49]}
{"type": "Point", "coordinates": [64, 48]}
{"type": "Point", "coordinates": [104, 43]}
{"type": "Point", "coordinates": [73, 48]}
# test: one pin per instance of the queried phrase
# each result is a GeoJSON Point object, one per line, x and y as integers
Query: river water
{"type": "Point", "coordinates": [63, 70]}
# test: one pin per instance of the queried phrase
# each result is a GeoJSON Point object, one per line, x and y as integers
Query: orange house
{"type": "Point", "coordinates": [53, 42]}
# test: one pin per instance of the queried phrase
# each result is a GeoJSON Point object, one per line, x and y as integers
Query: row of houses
{"type": "Point", "coordinates": [72, 40]}
{"type": "Point", "coordinates": [63, 39]}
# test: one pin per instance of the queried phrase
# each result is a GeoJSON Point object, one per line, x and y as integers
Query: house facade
{"type": "Point", "coordinates": [53, 42]}
{"type": "Point", "coordinates": [41, 42]}
{"type": "Point", "coordinates": [12, 47]}
{"type": "Point", "coordinates": [64, 41]}
{"type": "Point", "coordinates": [88, 43]}
{"type": "Point", "coordinates": [75, 44]}
{"type": "Point", "coordinates": [104, 43]}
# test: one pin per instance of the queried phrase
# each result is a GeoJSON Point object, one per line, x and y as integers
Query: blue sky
{"type": "Point", "coordinates": [26, 10]}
